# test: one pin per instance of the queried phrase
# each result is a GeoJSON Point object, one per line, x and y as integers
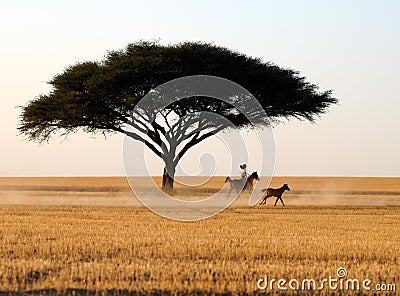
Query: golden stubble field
{"type": "Point", "coordinates": [88, 235]}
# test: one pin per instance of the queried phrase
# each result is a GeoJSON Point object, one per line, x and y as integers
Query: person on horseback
{"type": "Point", "coordinates": [239, 186]}
{"type": "Point", "coordinates": [243, 172]}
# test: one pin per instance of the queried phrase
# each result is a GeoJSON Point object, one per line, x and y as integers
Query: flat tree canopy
{"type": "Point", "coordinates": [99, 96]}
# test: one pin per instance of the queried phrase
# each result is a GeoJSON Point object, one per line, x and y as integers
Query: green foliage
{"type": "Point", "coordinates": [99, 96]}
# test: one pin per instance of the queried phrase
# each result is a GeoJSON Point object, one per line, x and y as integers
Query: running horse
{"type": "Point", "coordinates": [240, 185]}
{"type": "Point", "coordinates": [274, 192]}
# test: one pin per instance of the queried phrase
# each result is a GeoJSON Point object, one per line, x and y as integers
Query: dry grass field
{"type": "Point", "coordinates": [90, 236]}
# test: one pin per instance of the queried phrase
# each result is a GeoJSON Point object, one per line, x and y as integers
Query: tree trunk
{"type": "Point", "coordinates": [168, 180]}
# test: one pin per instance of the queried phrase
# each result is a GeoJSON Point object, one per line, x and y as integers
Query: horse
{"type": "Point", "coordinates": [274, 192]}
{"type": "Point", "coordinates": [240, 185]}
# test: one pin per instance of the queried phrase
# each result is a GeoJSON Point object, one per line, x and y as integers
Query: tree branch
{"type": "Point", "coordinates": [195, 140]}
{"type": "Point", "coordinates": [154, 131]}
{"type": "Point", "coordinates": [147, 143]}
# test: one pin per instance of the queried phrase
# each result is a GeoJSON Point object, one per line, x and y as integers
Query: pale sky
{"type": "Point", "coordinates": [352, 47]}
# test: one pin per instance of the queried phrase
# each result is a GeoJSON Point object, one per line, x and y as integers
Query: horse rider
{"type": "Point", "coordinates": [243, 172]}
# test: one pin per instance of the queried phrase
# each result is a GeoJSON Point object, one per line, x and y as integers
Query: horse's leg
{"type": "Point", "coordinates": [276, 200]}
{"type": "Point", "coordinates": [249, 187]}
{"type": "Point", "coordinates": [234, 187]}
{"type": "Point", "coordinates": [239, 189]}
{"type": "Point", "coordinates": [263, 201]}
{"type": "Point", "coordinates": [282, 200]}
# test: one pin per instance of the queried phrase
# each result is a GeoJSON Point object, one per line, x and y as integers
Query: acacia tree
{"type": "Point", "coordinates": [99, 96]}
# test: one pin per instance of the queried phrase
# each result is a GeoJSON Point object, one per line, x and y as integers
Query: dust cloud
{"type": "Point", "coordinates": [115, 192]}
